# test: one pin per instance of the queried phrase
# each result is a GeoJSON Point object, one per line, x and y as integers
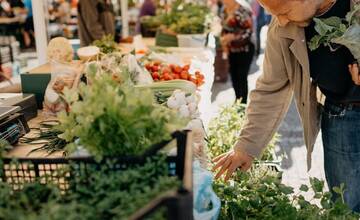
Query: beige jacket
{"type": "Point", "coordinates": [286, 74]}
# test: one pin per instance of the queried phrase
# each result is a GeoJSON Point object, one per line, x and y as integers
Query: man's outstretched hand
{"type": "Point", "coordinates": [230, 161]}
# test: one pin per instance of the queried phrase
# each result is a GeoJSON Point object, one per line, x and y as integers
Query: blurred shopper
{"type": "Point", "coordinates": [292, 70]}
{"type": "Point", "coordinates": [262, 19]}
{"type": "Point", "coordinates": [96, 19]}
{"type": "Point", "coordinates": [236, 42]}
{"type": "Point", "coordinates": [63, 13]}
{"type": "Point", "coordinates": [148, 8]}
{"type": "Point", "coordinates": [5, 9]}
{"type": "Point", "coordinates": [29, 25]}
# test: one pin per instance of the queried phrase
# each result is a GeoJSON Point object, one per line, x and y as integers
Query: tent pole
{"type": "Point", "coordinates": [41, 38]}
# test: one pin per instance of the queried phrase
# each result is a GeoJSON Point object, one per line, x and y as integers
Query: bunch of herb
{"type": "Point", "coordinates": [335, 31]}
{"type": "Point", "coordinates": [115, 120]}
{"type": "Point", "coordinates": [107, 44]}
{"type": "Point", "coordinates": [48, 136]}
{"type": "Point", "coordinates": [224, 131]}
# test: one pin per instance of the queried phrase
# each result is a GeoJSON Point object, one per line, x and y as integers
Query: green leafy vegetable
{"type": "Point", "coordinates": [344, 32]}
{"type": "Point", "coordinates": [112, 120]}
{"type": "Point", "coordinates": [107, 44]}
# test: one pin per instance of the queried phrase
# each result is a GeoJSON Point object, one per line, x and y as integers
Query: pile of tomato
{"type": "Point", "coordinates": [164, 72]}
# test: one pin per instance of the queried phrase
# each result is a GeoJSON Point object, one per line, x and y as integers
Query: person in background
{"type": "Point", "coordinates": [95, 19]}
{"type": "Point", "coordinates": [5, 9]}
{"type": "Point", "coordinates": [148, 8]}
{"type": "Point", "coordinates": [237, 45]}
{"type": "Point", "coordinates": [63, 12]}
{"type": "Point", "coordinates": [262, 19]}
{"type": "Point", "coordinates": [29, 24]}
{"type": "Point", "coordinates": [20, 10]}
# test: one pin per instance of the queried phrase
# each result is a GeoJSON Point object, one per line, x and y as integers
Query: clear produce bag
{"type": "Point", "coordinates": [62, 75]}
{"type": "Point", "coordinates": [204, 195]}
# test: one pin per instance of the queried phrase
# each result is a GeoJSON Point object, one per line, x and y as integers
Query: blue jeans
{"type": "Point", "coordinates": [341, 138]}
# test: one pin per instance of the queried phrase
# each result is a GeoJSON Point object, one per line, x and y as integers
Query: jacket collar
{"type": "Point", "coordinates": [298, 47]}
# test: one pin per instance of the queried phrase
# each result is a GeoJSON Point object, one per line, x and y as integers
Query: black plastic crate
{"type": "Point", "coordinates": [178, 204]}
{"type": "Point", "coordinates": [15, 169]}
{"type": "Point", "coordinates": [59, 171]}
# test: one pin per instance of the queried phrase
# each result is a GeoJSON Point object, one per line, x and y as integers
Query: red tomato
{"type": "Point", "coordinates": [186, 67]}
{"type": "Point", "coordinates": [148, 66]}
{"type": "Point", "coordinates": [199, 82]}
{"type": "Point", "coordinates": [177, 69]}
{"type": "Point", "coordinates": [155, 68]}
{"type": "Point", "coordinates": [167, 78]}
{"type": "Point", "coordinates": [172, 67]}
{"type": "Point", "coordinates": [184, 75]}
{"type": "Point", "coordinates": [157, 63]}
{"type": "Point", "coordinates": [155, 75]}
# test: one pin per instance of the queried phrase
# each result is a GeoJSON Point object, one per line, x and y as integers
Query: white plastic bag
{"type": "Point", "coordinates": [62, 75]}
{"type": "Point", "coordinates": [204, 195]}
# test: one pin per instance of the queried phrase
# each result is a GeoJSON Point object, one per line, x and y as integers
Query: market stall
{"type": "Point", "coordinates": [38, 158]}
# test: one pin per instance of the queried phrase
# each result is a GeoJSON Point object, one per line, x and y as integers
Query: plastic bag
{"type": "Point", "coordinates": [139, 74]}
{"type": "Point", "coordinates": [204, 195]}
{"type": "Point", "coordinates": [62, 75]}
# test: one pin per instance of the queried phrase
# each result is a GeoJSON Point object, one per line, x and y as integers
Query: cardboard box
{"type": "Point", "coordinates": [35, 82]}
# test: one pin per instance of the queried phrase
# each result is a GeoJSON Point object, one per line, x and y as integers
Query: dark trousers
{"type": "Point", "coordinates": [341, 141]}
{"type": "Point", "coordinates": [239, 66]}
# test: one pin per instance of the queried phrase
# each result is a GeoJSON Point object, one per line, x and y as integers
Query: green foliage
{"type": "Point", "coordinates": [224, 131]}
{"type": "Point", "coordinates": [107, 44]}
{"type": "Point", "coordinates": [113, 120]}
{"type": "Point", "coordinates": [187, 18]}
{"type": "Point", "coordinates": [263, 196]}
{"type": "Point", "coordinates": [334, 30]}
{"type": "Point", "coordinates": [259, 193]}
{"type": "Point", "coordinates": [98, 194]}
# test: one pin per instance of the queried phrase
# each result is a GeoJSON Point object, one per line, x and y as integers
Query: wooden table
{"type": "Point", "coordinates": [22, 150]}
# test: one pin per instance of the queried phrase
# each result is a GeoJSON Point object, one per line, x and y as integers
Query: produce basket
{"type": "Point", "coordinates": [192, 40]}
{"type": "Point", "coordinates": [60, 170]}
{"type": "Point", "coordinates": [164, 39]}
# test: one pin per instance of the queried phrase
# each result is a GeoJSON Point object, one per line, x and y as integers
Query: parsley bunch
{"type": "Point", "coordinates": [115, 120]}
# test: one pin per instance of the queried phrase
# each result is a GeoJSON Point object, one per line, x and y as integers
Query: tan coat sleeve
{"type": "Point", "coordinates": [269, 101]}
{"type": "Point", "coordinates": [90, 16]}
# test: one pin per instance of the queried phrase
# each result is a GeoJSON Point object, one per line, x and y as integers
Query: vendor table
{"type": "Point", "coordinates": [201, 59]}
{"type": "Point", "coordinates": [22, 150]}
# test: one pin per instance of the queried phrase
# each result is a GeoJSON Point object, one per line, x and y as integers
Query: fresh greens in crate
{"type": "Point", "coordinates": [334, 30]}
{"type": "Point", "coordinates": [98, 195]}
{"type": "Point", "coordinates": [185, 18]}
{"type": "Point", "coordinates": [112, 119]}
